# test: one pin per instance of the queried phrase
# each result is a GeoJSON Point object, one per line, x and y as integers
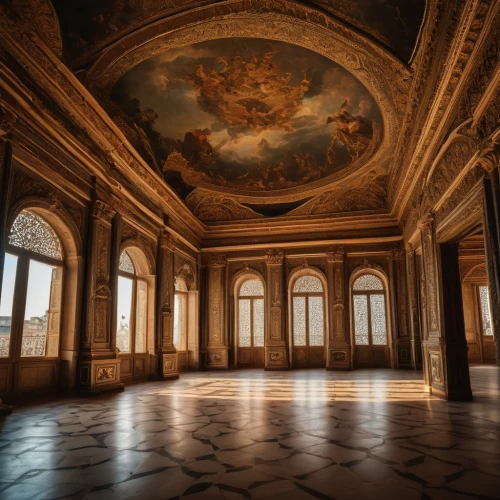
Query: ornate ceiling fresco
{"type": "Point", "coordinates": [90, 24]}
{"type": "Point", "coordinates": [245, 115]}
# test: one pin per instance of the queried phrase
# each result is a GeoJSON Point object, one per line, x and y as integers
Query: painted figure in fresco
{"type": "Point", "coordinates": [354, 132]}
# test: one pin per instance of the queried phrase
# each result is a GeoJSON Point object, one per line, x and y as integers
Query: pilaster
{"type": "Point", "coordinates": [167, 353]}
{"type": "Point", "coordinates": [338, 347]}
{"type": "Point", "coordinates": [99, 366]}
{"type": "Point", "coordinates": [413, 313]}
{"type": "Point", "coordinates": [433, 342]}
{"type": "Point", "coordinates": [276, 345]}
{"type": "Point", "coordinates": [217, 347]}
{"type": "Point", "coordinates": [399, 304]}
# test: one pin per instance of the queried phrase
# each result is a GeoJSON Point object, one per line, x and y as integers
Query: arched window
{"type": "Point", "coordinates": [33, 274]}
{"type": "Point", "coordinates": [251, 314]}
{"type": "Point", "coordinates": [308, 312]}
{"type": "Point", "coordinates": [370, 324]}
{"type": "Point", "coordinates": [180, 314]}
{"type": "Point", "coordinates": [131, 323]}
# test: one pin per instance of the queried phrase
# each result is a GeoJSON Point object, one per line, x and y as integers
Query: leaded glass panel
{"type": "Point", "coordinates": [484, 298]}
{"type": "Point", "coordinates": [123, 314]}
{"type": "Point", "coordinates": [361, 320]}
{"type": "Point", "coordinates": [379, 324]}
{"type": "Point", "coordinates": [308, 284]}
{"type": "Point", "coordinates": [141, 317]}
{"type": "Point", "coordinates": [258, 322]}
{"type": "Point", "coordinates": [126, 265]}
{"type": "Point", "coordinates": [368, 282]}
{"type": "Point", "coordinates": [31, 232]}
{"type": "Point", "coordinates": [7, 302]}
{"type": "Point", "coordinates": [244, 319]}
{"type": "Point", "coordinates": [316, 321]}
{"type": "Point", "coordinates": [299, 321]}
{"type": "Point", "coordinates": [251, 287]}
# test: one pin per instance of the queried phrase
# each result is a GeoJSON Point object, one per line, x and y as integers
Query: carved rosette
{"type": "Point", "coordinates": [276, 352]}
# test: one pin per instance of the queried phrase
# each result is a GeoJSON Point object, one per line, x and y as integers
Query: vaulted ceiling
{"type": "Point", "coordinates": [244, 112]}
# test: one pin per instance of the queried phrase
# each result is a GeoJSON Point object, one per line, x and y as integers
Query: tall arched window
{"type": "Point", "coordinates": [250, 322]}
{"type": "Point", "coordinates": [308, 321]}
{"type": "Point", "coordinates": [180, 314]}
{"type": "Point", "coordinates": [370, 321]}
{"type": "Point", "coordinates": [33, 274]}
{"type": "Point", "coordinates": [131, 322]}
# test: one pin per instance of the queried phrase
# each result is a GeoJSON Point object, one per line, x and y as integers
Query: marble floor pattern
{"type": "Point", "coordinates": [252, 434]}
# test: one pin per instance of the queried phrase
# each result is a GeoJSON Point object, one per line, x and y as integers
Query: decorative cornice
{"type": "Point", "coordinates": [335, 255]}
{"type": "Point", "coordinates": [217, 260]}
{"type": "Point", "coordinates": [102, 211]}
{"type": "Point", "coordinates": [167, 241]}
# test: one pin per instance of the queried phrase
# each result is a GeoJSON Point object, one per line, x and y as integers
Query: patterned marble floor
{"type": "Point", "coordinates": [254, 434]}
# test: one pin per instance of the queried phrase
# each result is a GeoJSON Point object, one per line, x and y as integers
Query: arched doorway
{"type": "Point", "coordinates": [132, 315]}
{"type": "Point", "coordinates": [181, 321]}
{"type": "Point", "coordinates": [250, 322]}
{"type": "Point", "coordinates": [31, 317]}
{"type": "Point", "coordinates": [308, 321]}
{"type": "Point", "coordinates": [369, 310]}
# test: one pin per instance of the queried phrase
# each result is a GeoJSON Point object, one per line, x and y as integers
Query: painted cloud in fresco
{"type": "Point", "coordinates": [246, 114]}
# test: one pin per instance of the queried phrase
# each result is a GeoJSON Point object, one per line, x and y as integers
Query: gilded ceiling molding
{"type": "Point", "coordinates": [468, 28]}
{"type": "Point", "coordinates": [43, 19]}
{"type": "Point", "coordinates": [385, 77]}
{"type": "Point", "coordinates": [210, 207]}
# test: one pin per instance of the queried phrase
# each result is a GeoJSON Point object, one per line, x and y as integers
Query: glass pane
{"type": "Point", "coordinates": [123, 313]}
{"type": "Point", "coordinates": [31, 232]}
{"type": "Point", "coordinates": [316, 321]}
{"type": "Point", "coordinates": [484, 298]}
{"type": "Point", "coordinates": [251, 287]}
{"type": "Point", "coordinates": [244, 323]}
{"type": "Point", "coordinates": [126, 265]}
{"type": "Point", "coordinates": [379, 325]}
{"type": "Point", "coordinates": [6, 302]}
{"type": "Point", "coordinates": [299, 321]}
{"type": "Point", "coordinates": [180, 285]}
{"type": "Point", "coordinates": [361, 320]}
{"type": "Point", "coordinates": [141, 316]}
{"type": "Point", "coordinates": [368, 282]}
{"type": "Point", "coordinates": [308, 284]}
{"type": "Point", "coordinates": [180, 321]}
{"type": "Point", "coordinates": [37, 310]}
{"type": "Point", "coordinates": [258, 322]}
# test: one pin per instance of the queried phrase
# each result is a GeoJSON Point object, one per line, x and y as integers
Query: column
{"type": "Point", "coordinates": [413, 316]}
{"type": "Point", "coordinates": [492, 249]}
{"type": "Point", "coordinates": [276, 343]}
{"type": "Point", "coordinates": [99, 366]}
{"type": "Point", "coordinates": [339, 348]}
{"type": "Point", "coordinates": [399, 304]}
{"type": "Point", "coordinates": [166, 352]}
{"type": "Point", "coordinates": [217, 347]}
{"type": "Point", "coordinates": [4, 203]}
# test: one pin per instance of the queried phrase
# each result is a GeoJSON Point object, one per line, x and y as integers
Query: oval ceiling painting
{"type": "Point", "coordinates": [245, 114]}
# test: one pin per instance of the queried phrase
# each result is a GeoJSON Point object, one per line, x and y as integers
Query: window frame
{"type": "Point", "coordinates": [251, 298]}
{"type": "Point", "coordinates": [480, 311]}
{"type": "Point", "coordinates": [133, 309]}
{"type": "Point", "coordinates": [185, 294]}
{"type": "Point", "coordinates": [24, 257]}
{"type": "Point", "coordinates": [306, 296]}
{"type": "Point", "coordinates": [367, 294]}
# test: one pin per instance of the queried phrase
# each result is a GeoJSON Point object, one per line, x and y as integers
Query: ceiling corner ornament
{"type": "Point", "coordinates": [275, 257]}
